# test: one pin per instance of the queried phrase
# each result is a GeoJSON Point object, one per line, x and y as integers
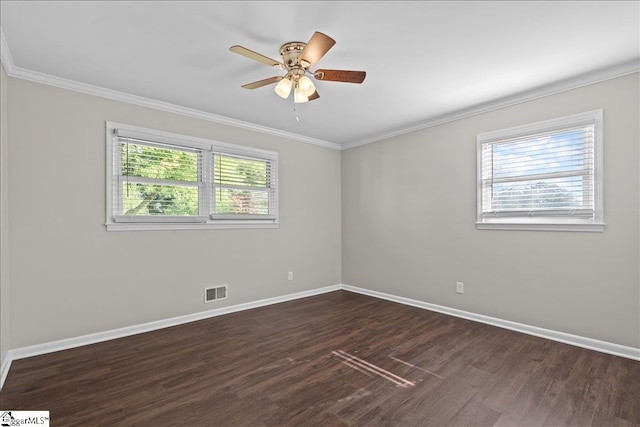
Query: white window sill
{"type": "Point", "coordinates": [539, 226]}
{"type": "Point", "coordinates": [222, 225]}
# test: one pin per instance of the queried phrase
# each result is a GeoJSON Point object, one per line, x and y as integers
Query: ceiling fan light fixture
{"type": "Point", "coordinates": [306, 86]}
{"type": "Point", "coordinates": [283, 88]}
{"type": "Point", "coordinates": [299, 97]}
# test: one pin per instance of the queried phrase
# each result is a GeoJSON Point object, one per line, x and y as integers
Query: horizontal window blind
{"type": "Point", "coordinates": [244, 186]}
{"type": "Point", "coordinates": [544, 173]}
{"type": "Point", "coordinates": [551, 172]}
{"type": "Point", "coordinates": [156, 177]}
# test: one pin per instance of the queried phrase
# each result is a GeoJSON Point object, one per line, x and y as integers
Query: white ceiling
{"type": "Point", "coordinates": [425, 61]}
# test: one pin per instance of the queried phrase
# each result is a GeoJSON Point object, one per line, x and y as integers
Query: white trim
{"type": "Point", "coordinates": [576, 340]}
{"type": "Point", "coordinates": [161, 219]}
{"type": "Point", "coordinates": [5, 54]}
{"type": "Point", "coordinates": [204, 148]}
{"type": "Point", "coordinates": [155, 136]}
{"type": "Point", "coordinates": [37, 77]}
{"type": "Point", "coordinates": [608, 73]}
{"type": "Point", "coordinates": [605, 74]}
{"type": "Point", "coordinates": [4, 370]}
{"type": "Point", "coordinates": [64, 344]}
{"type": "Point", "coordinates": [6, 62]}
{"type": "Point", "coordinates": [561, 220]}
{"type": "Point", "coordinates": [68, 343]}
{"type": "Point", "coordinates": [544, 126]}
{"type": "Point", "coordinates": [226, 225]}
{"type": "Point", "coordinates": [521, 226]}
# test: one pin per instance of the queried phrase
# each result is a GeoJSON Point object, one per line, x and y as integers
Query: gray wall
{"type": "Point", "coordinates": [4, 222]}
{"type": "Point", "coordinates": [408, 220]}
{"type": "Point", "coordinates": [407, 225]}
{"type": "Point", "coordinates": [70, 277]}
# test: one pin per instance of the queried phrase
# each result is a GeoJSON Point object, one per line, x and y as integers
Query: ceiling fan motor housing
{"type": "Point", "coordinates": [290, 53]}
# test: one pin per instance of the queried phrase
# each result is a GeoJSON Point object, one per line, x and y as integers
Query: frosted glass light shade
{"type": "Point", "coordinates": [283, 88]}
{"type": "Point", "coordinates": [299, 97]}
{"type": "Point", "coordinates": [306, 86]}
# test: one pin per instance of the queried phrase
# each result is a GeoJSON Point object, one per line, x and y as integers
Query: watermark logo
{"type": "Point", "coordinates": [24, 418]}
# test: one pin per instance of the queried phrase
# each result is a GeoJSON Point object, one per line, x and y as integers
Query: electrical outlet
{"type": "Point", "coordinates": [460, 287]}
{"type": "Point", "coordinates": [290, 276]}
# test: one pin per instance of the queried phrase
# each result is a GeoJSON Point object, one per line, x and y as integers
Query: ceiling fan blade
{"type": "Point", "coordinates": [318, 45]}
{"type": "Point", "coordinates": [314, 95]}
{"type": "Point", "coordinates": [346, 76]}
{"type": "Point", "coordinates": [261, 83]}
{"type": "Point", "coordinates": [255, 56]}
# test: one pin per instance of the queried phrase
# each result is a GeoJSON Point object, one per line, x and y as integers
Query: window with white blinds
{"type": "Point", "coordinates": [158, 180]}
{"type": "Point", "coordinates": [244, 187]}
{"type": "Point", "coordinates": [546, 175]}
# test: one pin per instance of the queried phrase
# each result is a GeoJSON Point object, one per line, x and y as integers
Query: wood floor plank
{"type": "Point", "coordinates": [474, 414]}
{"type": "Point", "coordinates": [338, 359]}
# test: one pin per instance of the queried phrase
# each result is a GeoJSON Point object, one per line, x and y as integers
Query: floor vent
{"type": "Point", "coordinates": [214, 294]}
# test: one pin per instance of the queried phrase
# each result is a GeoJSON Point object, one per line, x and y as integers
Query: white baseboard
{"type": "Point", "coordinates": [50, 347]}
{"type": "Point", "coordinates": [4, 369]}
{"type": "Point", "coordinates": [576, 340]}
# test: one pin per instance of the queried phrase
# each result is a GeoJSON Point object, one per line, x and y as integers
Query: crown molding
{"type": "Point", "coordinates": [37, 77]}
{"type": "Point", "coordinates": [160, 105]}
{"type": "Point", "coordinates": [609, 73]}
{"type": "Point", "coordinates": [5, 54]}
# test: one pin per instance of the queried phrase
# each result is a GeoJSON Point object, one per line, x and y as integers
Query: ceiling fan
{"type": "Point", "coordinates": [297, 59]}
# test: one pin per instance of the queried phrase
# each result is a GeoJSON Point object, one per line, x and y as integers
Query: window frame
{"type": "Point", "coordinates": [206, 219]}
{"type": "Point", "coordinates": [549, 221]}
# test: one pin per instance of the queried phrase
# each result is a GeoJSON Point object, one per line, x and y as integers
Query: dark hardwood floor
{"type": "Point", "coordinates": [338, 359]}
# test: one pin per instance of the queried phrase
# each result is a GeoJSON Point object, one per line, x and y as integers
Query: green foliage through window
{"type": "Point", "coordinates": [241, 185]}
{"type": "Point", "coordinates": [151, 199]}
{"type": "Point", "coordinates": [159, 180]}
{"type": "Point", "coordinates": [542, 176]}
{"type": "Point", "coordinates": [166, 180]}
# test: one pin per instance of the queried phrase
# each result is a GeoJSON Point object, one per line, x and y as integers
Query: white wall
{"type": "Point", "coordinates": [408, 220]}
{"type": "Point", "coordinates": [70, 277]}
{"type": "Point", "coordinates": [4, 222]}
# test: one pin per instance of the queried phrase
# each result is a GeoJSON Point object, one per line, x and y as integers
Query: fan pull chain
{"type": "Point", "coordinates": [295, 110]}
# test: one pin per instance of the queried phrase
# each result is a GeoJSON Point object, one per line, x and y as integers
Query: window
{"type": "Point", "coordinates": [543, 176]}
{"type": "Point", "coordinates": [157, 180]}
